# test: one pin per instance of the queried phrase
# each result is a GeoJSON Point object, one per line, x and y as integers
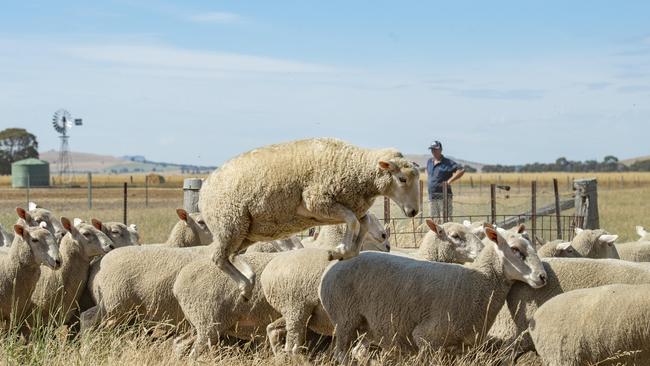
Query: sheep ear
{"type": "Point", "coordinates": [521, 229]}
{"type": "Point", "coordinates": [563, 246]}
{"type": "Point", "coordinates": [20, 230]}
{"type": "Point", "coordinates": [134, 227]}
{"type": "Point", "coordinates": [388, 166]}
{"type": "Point", "coordinates": [608, 238]}
{"type": "Point", "coordinates": [578, 231]}
{"type": "Point", "coordinates": [22, 213]}
{"type": "Point", "coordinates": [97, 224]}
{"type": "Point", "coordinates": [77, 221]}
{"type": "Point", "coordinates": [32, 206]}
{"type": "Point", "coordinates": [432, 225]}
{"type": "Point", "coordinates": [66, 224]}
{"type": "Point", "coordinates": [182, 214]}
{"type": "Point", "coordinates": [641, 231]}
{"type": "Point", "coordinates": [492, 234]}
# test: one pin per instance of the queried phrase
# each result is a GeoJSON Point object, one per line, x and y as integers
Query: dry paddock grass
{"type": "Point", "coordinates": [622, 205]}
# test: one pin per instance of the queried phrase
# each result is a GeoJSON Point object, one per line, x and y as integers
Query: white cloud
{"type": "Point", "coordinates": [219, 17]}
{"type": "Point", "coordinates": [177, 58]}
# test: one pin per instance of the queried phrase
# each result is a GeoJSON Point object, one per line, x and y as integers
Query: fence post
{"type": "Point", "coordinates": [125, 205]}
{"type": "Point", "coordinates": [533, 211]}
{"type": "Point", "coordinates": [191, 188]}
{"type": "Point", "coordinates": [445, 202]}
{"type": "Point", "coordinates": [558, 225]}
{"type": "Point", "coordinates": [421, 202]}
{"type": "Point", "coordinates": [493, 203]}
{"type": "Point", "coordinates": [471, 182]}
{"type": "Point", "coordinates": [480, 184]}
{"type": "Point", "coordinates": [587, 202]}
{"type": "Point", "coordinates": [146, 192]}
{"type": "Point", "coordinates": [90, 190]}
{"type": "Point", "coordinates": [29, 184]}
{"type": "Point", "coordinates": [387, 213]}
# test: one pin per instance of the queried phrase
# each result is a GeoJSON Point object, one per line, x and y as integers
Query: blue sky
{"type": "Point", "coordinates": [200, 81]}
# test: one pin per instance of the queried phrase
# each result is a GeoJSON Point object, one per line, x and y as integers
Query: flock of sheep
{"type": "Point", "coordinates": [236, 269]}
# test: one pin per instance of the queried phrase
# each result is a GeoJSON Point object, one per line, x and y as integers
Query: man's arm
{"type": "Point", "coordinates": [456, 176]}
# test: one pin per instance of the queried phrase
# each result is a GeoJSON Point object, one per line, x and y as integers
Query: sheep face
{"type": "Point", "coordinates": [565, 250]}
{"type": "Point", "coordinates": [93, 241]}
{"type": "Point", "coordinates": [459, 238]}
{"type": "Point", "coordinates": [405, 185]}
{"type": "Point", "coordinates": [119, 234]}
{"type": "Point", "coordinates": [42, 244]}
{"type": "Point", "coordinates": [595, 243]}
{"type": "Point", "coordinates": [377, 237]}
{"type": "Point", "coordinates": [518, 257]}
{"type": "Point", "coordinates": [199, 225]}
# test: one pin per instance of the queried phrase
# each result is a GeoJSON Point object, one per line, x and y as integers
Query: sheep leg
{"type": "Point", "coordinates": [244, 268]}
{"type": "Point", "coordinates": [274, 332]}
{"type": "Point", "coordinates": [228, 241]}
{"type": "Point", "coordinates": [296, 325]}
{"type": "Point", "coordinates": [348, 248]}
{"type": "Point", "coordinates": [91, 318]}
{"type": "Point", "coordinates": [345, 335]}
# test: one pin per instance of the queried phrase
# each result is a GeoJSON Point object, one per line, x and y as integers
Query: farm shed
{"type": "Point", "coordinates": [30, 172]}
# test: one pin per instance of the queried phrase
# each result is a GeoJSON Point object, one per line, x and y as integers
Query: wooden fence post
{"type": "Point", "coordinates": [493, 203]}
{"type": "Point", "coordinates": [191, 188]}
{"type": "Point", "coordinates": [445, 202]}
{"type": "Point", "coordinates": [90, 190]}
{"type": "Point", "coordinates": [533, 211]}
{"type": "Point", "coordinates": [587, 202]}
{"type": "Point", "coordinates": [125, 203]}
{"type": "Point", "coordinates": [558, 226]}
{"type": "Point", "coordinates": [146, 192]}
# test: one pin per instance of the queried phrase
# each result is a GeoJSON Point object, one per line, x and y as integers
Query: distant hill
{"type": "Point", "coordinates": [628, 162]}
{"type": "Point", "coordinates": [86, 162]}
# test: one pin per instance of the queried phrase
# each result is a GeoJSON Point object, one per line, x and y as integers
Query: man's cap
{"type": "Point", "coordinates": [435, 145]}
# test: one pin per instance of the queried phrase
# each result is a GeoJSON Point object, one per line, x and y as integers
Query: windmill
{"type": "Point", "coordinates": [62, 121]}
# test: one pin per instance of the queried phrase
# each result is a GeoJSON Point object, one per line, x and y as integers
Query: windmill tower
{"type": "Point", "coordinates": [62, 121]}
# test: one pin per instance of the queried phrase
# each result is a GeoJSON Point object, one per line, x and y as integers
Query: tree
{"type": "Point", "coordinates": [16, 144]}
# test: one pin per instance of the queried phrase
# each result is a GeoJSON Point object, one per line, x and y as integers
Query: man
{"type": "Point", "coordinates": [439, 170]}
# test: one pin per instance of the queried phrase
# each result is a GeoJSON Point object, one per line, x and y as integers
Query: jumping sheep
{"type": "Point", "coordinates": [416, 303]}
{"type": "Point", "coordinates": [279, 190]}
{"type": "Point", "coordinates": [20, 270]}
{"type": "Point", "coordinates": [564, 274]}
{"type": "Point", "coordinates": [57, 292]}
{"type": "Point", "coordinates": [608, 325]}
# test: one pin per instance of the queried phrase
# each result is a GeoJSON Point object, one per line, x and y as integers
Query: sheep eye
{"type": "Point", "coordinates": [201, 222]}
{"type": "Point", "coordinates": [115, 232]}
{"type": "Point", "coordinates": [86, 234]}
{"type": "Point", "coordinates": [402, 179]}
{"type": "Point", "coordinates": [34, 240]}
{"type": "Point", "coordinates": [518, 253]}
{"type": "Point", "coordinates": [455, 236]}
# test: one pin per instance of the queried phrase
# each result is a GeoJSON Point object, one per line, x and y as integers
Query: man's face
{"type": "Point", "coordinates": [437, 153]}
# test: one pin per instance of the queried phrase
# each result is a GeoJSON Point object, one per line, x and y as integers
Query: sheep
{"type": "Point", "coordinates": [20, 270]}
{"type": "Point", "coordinates": [209, 300]}
{"type": "Point", "coordinates": [184, 233]}
{"type": "Point", "coordinates": [188, 232]}
{"type": "Point", "coordinates": [449, 242]}
{"type": "Point", "coordinates": [200, 283]}
{"type": "Point", "coordinates": [636, 251]}
{"type": "Point", "coordinates": [376, 237]}
{"type": "Point", "coordinates": [608, 325]}
{"type": "Point", "coordinates": [413, 305]}
{"type": "Point", "coordinates": [36, 215]}
{"type": "Point", "coordinates": [564, 274]}
{"type": "Point", "coordinates": [57, 292]}
{"type": "Point", "coordinates": [595, 244]}
{"type": "Point", "coordinates": [120, 234]}
{"type": "Point", "coordinates": [279, 190]}
{"type": "Point", "coordinates": [296, 297]}
{"type": "Point", "coordinates": [557, 249]}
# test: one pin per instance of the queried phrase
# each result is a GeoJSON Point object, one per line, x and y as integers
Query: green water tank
{"type": "Point", "coordinates": [32, 172]}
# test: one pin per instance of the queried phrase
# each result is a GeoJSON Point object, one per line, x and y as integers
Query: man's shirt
{"type": "Point", "coordinates": [440, 172]}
